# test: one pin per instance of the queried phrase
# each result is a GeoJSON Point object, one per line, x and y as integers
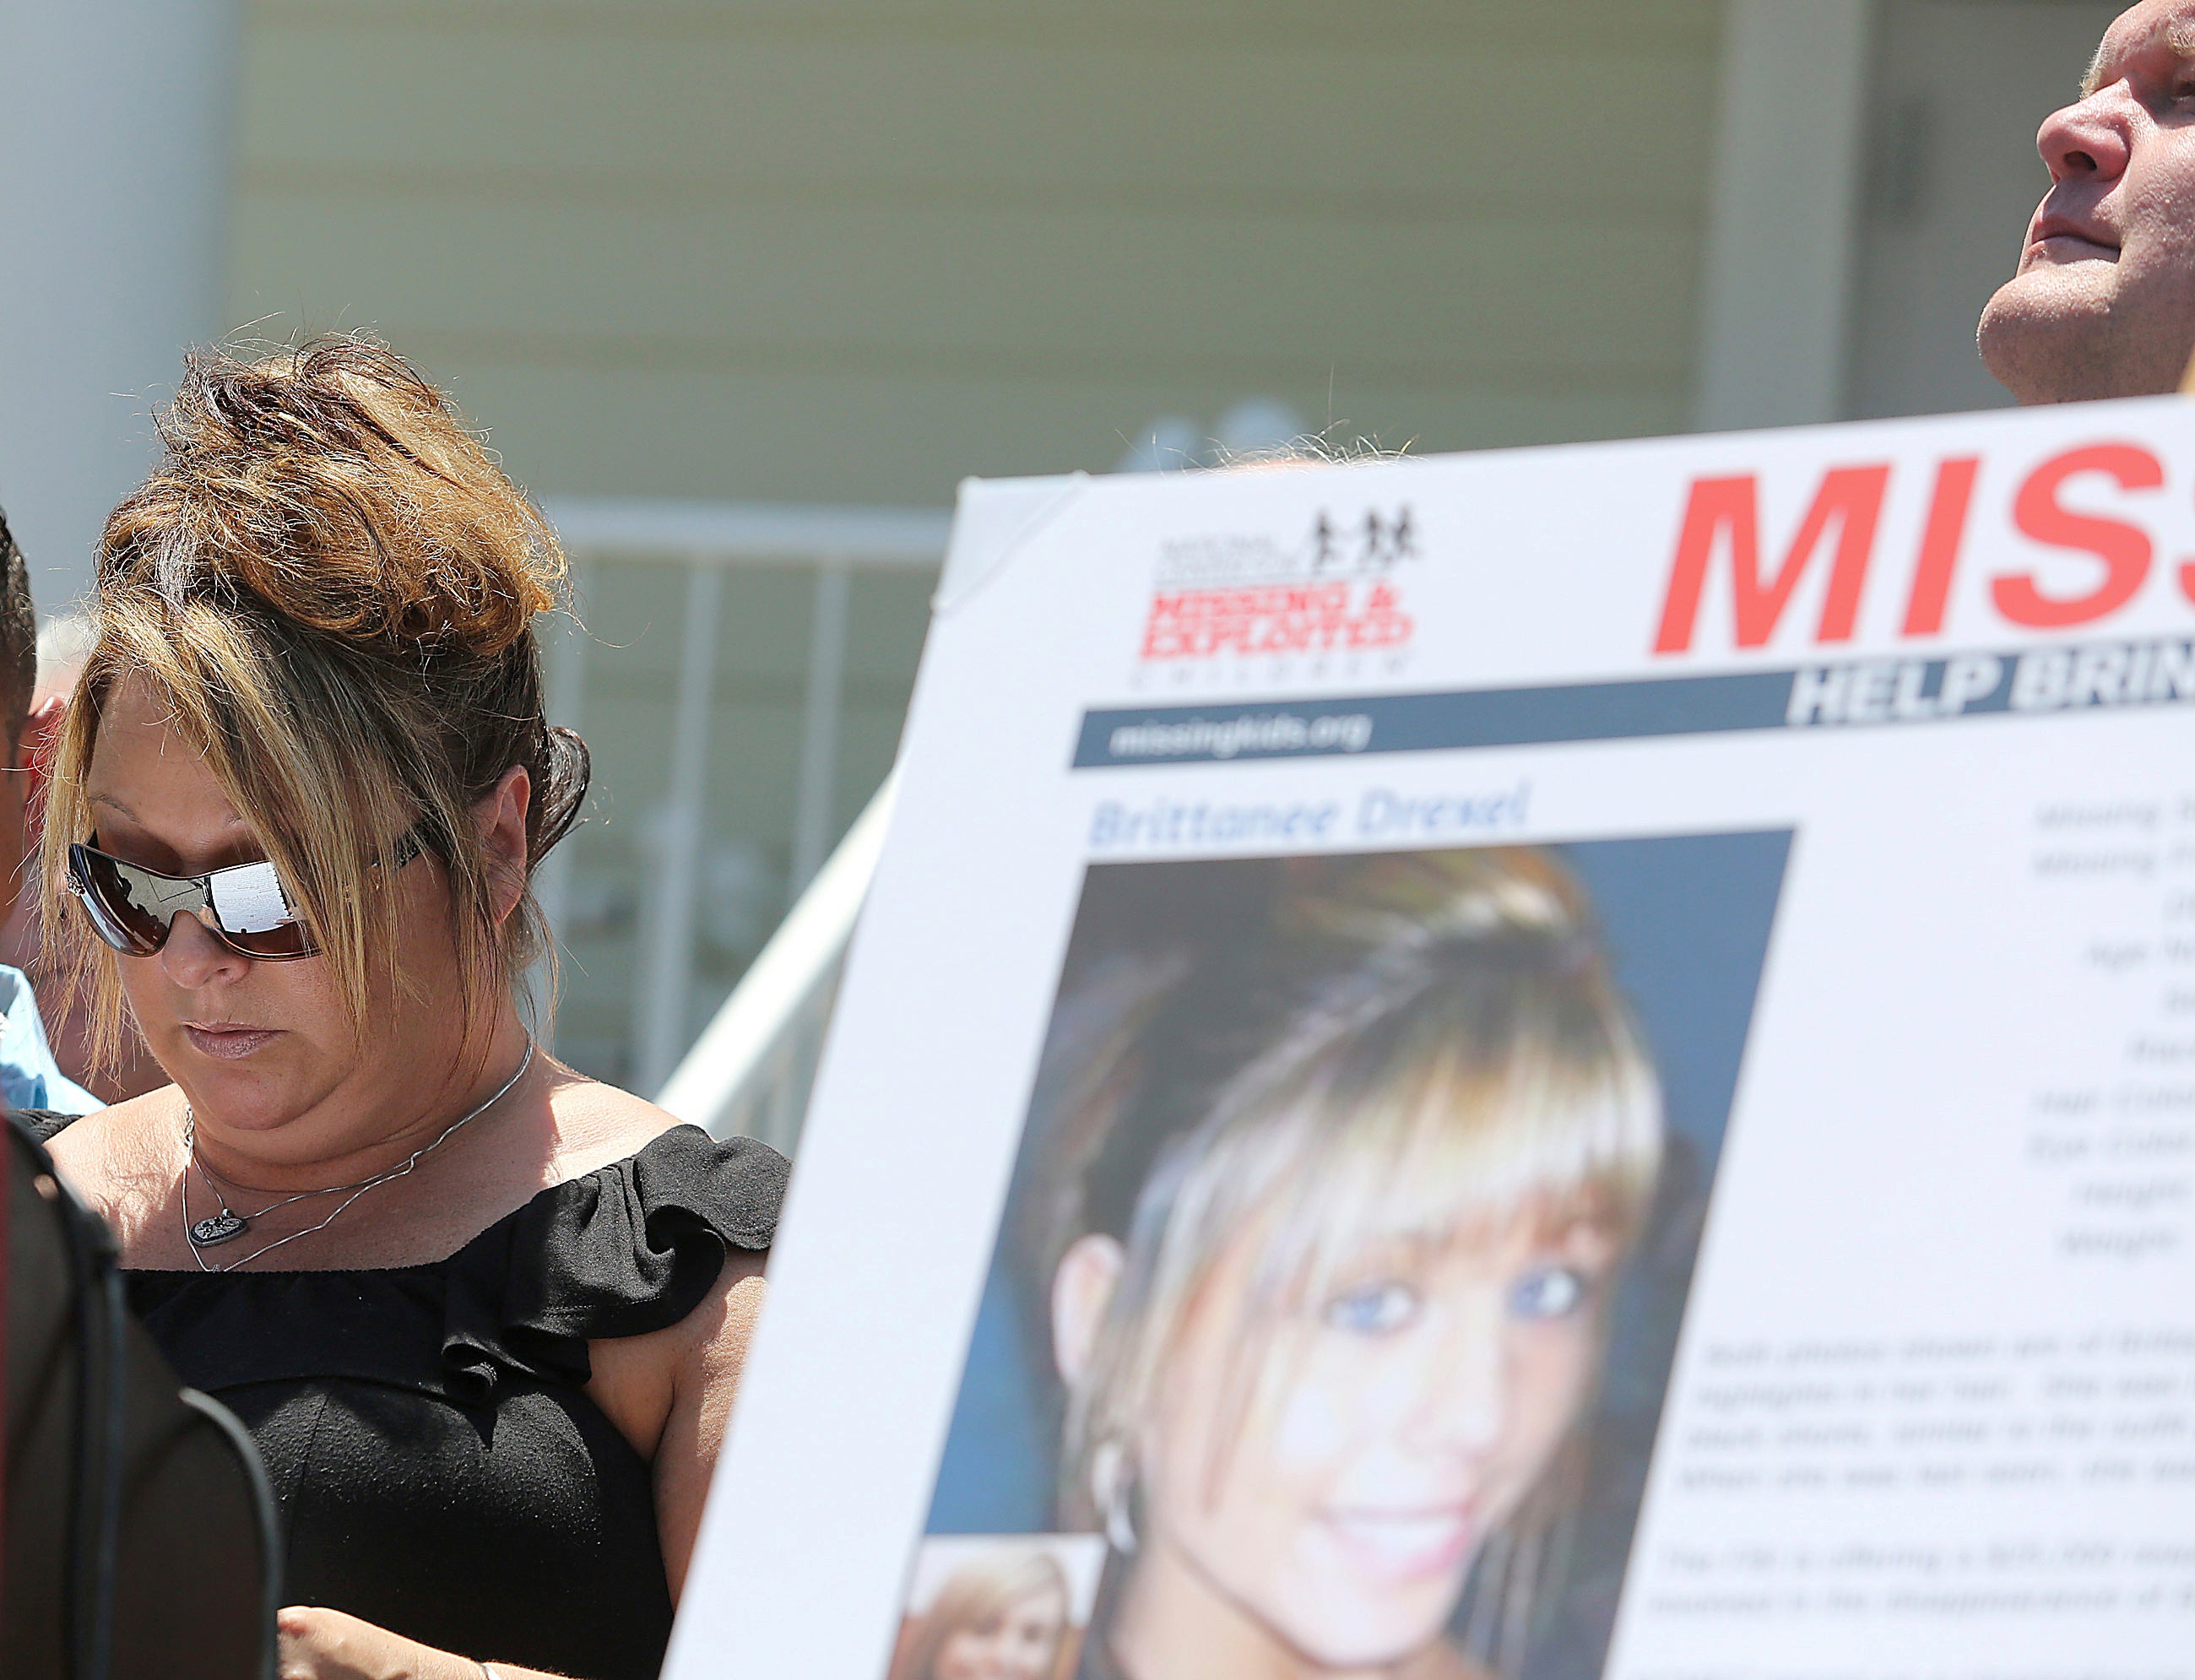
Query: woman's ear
{"type": "Point", "coordinates": [501, 816]}
{"type": "Point", "coordinates": [1081, 1289]}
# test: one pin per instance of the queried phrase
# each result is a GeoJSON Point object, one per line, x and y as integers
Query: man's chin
{"type": "Point", "coordinates": [2047, 334]}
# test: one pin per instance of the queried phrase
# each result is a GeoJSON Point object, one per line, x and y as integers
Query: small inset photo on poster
{"type": "Point", "coordinates": [1339, 1280]}
{"type": "Point", "coordinates": [997, 1607]}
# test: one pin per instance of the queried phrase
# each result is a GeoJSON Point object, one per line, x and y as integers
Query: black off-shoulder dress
{"type": "Point", "coordinates": [439, 1470]}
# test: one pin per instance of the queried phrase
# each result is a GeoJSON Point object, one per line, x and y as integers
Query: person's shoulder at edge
{"type": "Point", "coordinates": [740, 1180]}
{"type": "Point", "coordinates": [30, 1078]}
{"type": "Point", "coordinates": [600, 1125]}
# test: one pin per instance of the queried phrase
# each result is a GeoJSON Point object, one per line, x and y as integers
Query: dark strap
{"type": "Point", "coordinates": [155, 1499]}
{"type": "Point", "coordinates": [94, 1532]}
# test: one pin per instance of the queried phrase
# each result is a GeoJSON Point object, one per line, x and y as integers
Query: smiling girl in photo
{"type": "Point", "coordinates": [1331, 1218]}
{"type": "Point", "coordinates": [1003, 1615]}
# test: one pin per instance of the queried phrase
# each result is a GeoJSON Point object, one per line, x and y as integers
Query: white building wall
{"type": "Point", "coordinates": [1776, 293]}
{"type": "Point", "coordinates": [115, 125]}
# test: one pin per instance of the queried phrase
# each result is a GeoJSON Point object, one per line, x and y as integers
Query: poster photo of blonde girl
{"type": "Point", "coordinates": [998, 1608]}
{"type": "Point", "coordinates": [1341, 1176]}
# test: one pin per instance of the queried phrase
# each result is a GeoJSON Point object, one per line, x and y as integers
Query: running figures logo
{"type": "Point", "coordinates": [1333, 593]}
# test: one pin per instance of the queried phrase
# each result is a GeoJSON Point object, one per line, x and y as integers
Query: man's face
{"type": "Point", "coordinates": [2102, 301]}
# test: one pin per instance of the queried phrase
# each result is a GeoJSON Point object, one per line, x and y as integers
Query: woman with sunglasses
{"type": "Point", "coordinates": [484, 1317]}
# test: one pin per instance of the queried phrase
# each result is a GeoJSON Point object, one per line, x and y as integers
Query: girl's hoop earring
{"type": "Point", "coordinates": [1114, 1483]}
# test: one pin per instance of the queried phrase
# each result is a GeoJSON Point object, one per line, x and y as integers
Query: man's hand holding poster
{"type": "Point", "coordinates": [1554, 1064]}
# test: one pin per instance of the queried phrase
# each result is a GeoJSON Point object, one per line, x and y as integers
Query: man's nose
{"type": "Point", "coordinates": [194, 957]}
{"type": "Point", "coordinates": [2088, 140]}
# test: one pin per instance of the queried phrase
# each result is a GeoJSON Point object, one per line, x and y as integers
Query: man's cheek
{"type": "Point", "coordinates": [2159, 199]}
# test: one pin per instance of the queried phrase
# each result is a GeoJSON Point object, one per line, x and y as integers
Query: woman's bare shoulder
{"type": "Point", "coordinates": [111, 1154]}
{"type": "Point", "coordinates": [599, 1123]}
{"type": "Point", "coordinates": [125, 1131]}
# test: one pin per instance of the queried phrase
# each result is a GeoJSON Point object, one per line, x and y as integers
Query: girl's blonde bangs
{"type": "Point", "coordinates": [1463, 1150]}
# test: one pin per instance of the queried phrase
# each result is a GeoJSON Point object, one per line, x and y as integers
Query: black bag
{"type": "Point", "coordinates": [139, 1533]}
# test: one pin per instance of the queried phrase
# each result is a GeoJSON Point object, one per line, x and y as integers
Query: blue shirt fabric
{"type": "Point", "coordinates": [29, 1077]}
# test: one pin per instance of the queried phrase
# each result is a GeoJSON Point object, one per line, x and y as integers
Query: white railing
{"type": "Point", "coordinates": [708, 539]}
{"type": "Point", "coordinates": [749, 1073]}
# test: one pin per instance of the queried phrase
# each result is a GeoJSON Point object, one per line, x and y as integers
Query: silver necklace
{"type": "Point", "coordinates": [228, 1224]}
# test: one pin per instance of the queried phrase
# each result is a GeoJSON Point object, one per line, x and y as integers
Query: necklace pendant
{"type": "Point", "coordinates": [223, 1227]}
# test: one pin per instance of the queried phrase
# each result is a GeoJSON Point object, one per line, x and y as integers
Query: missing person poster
{"type": "Point", "coordinates": [1570, 1063]}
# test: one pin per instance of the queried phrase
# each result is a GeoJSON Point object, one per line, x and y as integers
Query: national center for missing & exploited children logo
{"type": "Point", "coordinates": [1333, 594]}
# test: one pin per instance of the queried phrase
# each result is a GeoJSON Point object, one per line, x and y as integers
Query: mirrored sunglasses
{"type": "Point", "coordinates": [245, 907]}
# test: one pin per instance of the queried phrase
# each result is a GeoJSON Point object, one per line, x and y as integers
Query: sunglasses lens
{"type": "Point", "coordinates": [133, 909]}
{"type": "Point", "coordinates": [254, 912]}
{"type": "Point", "coordinates": [125, 911]}
{"type": "Point", "coordinates": [290, 940]}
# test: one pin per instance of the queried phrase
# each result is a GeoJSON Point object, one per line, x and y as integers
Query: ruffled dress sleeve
{"type": "Point", "coordinates": [623, 1251]}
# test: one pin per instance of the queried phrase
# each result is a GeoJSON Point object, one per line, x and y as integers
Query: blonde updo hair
{"type": "Point", "coordinates": [332, 586]}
